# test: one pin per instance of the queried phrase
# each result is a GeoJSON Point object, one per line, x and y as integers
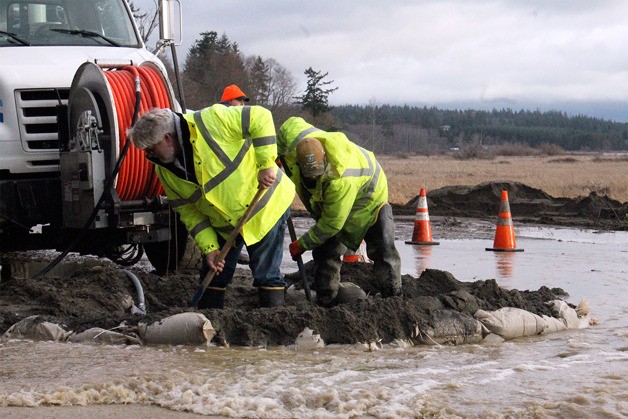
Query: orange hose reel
{"type": "Point", "coordinates": [137, 178]}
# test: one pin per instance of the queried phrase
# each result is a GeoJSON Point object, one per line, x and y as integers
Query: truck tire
{"type": "Point", "coordinates": [178, 255]}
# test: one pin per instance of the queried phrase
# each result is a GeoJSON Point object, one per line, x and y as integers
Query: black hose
{"type": "Point", "coordinates": [103, 196]}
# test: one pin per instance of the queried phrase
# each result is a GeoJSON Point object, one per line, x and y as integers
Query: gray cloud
{"type": "Point", "coordinates": [534, 52]}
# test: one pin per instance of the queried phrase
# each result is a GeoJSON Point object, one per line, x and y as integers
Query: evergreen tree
{"type": "Point", "coordinates": [315, 98]}
{"type": "Point", "coordinates": [212, 64]}
{"type": "Point", "coordinates": [259, 80]}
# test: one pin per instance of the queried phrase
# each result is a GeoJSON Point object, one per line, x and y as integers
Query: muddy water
{"type": "Point", "coordinates": [576, 373]}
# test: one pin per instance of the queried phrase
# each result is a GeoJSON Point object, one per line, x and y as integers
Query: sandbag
{"type": "Point", "coordinates": [349, 292]}
{"type": "Point", "coordinates": [449, 327]}
{"type": "Point", "coordinates": [103, 336]}
{"type": "Point", "coordinates": [570, 316]}
{"type": "Point", "coordinates": [179, 329]}
{"type": "Point", "coordinates": [554, 324]}
{"type": "Point", "coordinates": [294, 295]}
{"type": "Point", "coordinates": [36, 328]}
{"type": "Point", "coordinates": [511, 322]}
{"type": "Point", "coordinates": [307, 339]}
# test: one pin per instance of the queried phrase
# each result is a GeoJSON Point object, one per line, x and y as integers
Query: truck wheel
{"type": "Point", "coordinates": [180, 254]}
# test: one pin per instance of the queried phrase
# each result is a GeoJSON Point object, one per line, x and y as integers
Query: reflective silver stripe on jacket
{"type": "Point", "coordinates": [269, 193]}
{"type": "Point", "coordinates": [364, 171]}
{"type": "Point", "coordinates": [246, 125]}
{"type": "Point", "coordinates": [190, 200]}
{"type": "Point", "coordinates": [261, 204]}
{"type": "Point", "coordinates": [175, 203]}
{"type": "Point", "coordinates": [246, 121]}
{"type": "Point", "coordinates": [200, 227]}
{"type": "Point", "coordinates": [206, 224]}
{"type": "Point", "coordinates": [301, 136]}
{"type": "Point", "coordinates": [369, 187]}
{"type": "Point", "coordinates": [262, 141]}
{"type": "Point", "coordinates": [230, 166]}
{"type": "Point", "coordinates": [316, 231]}
{"type": "Point", "coordinates": [361, 202]}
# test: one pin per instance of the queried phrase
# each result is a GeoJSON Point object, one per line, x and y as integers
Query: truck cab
{"type": "Point", "coordinates": [42, 43]}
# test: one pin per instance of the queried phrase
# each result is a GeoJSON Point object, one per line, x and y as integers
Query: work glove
{"type": "Point", "coordinates": [295, 250]}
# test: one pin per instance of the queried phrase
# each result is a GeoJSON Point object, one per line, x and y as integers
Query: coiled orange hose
{"type": "Point", "coordinates": [137, 178]}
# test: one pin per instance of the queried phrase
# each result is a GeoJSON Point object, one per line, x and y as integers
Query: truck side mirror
{"type": "Point", "coordinates": [166, 21]}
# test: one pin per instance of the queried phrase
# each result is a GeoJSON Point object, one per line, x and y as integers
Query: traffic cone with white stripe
{"type": "Point", "coordinates": [358, 256]}
{"type": "Point", "coordinates": [505, 233]}
{"type": "Point", "coordinates": [422, 233]}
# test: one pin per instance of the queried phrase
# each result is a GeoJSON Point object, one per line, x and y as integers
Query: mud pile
{"type": "Point", "coordinates": [103, 295]}
{"type": "Point", "coordinates": [527, 204]}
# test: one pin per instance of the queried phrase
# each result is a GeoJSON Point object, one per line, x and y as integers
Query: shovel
{"type": "Point", "coordinates": [306, 286]}
{"type": "Point", "coordinates": [225, 249]}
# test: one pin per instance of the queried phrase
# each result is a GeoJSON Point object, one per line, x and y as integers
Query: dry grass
{"type": "Point", "coordinates": [568, 177]}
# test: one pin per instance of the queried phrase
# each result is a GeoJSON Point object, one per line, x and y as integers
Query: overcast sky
{"type": "Point", "coordinates": [569, 55]}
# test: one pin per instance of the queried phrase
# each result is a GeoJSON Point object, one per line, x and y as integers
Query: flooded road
{"type": "Point", "coordinates": [574, 373]}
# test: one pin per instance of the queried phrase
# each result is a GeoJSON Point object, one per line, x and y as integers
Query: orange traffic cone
{"type": "Point", "coordinates": [422, 233]}
{"type": "Point", "coordinates": [358, 256]}
{"type": "Point", "coordinates": [505, 233]}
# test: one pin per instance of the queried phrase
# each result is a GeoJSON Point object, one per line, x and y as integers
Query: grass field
{"type": "Point", "coordinates": [567, 176]}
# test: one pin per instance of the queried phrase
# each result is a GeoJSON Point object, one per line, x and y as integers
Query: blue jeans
{"type": "Point", "coordinates": [265, 258]}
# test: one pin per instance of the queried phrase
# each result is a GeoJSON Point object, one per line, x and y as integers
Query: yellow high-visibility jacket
{"type": "Point", "coordinates": [230, 146]}
{"type": "Point", "coordinates": [346, 199]}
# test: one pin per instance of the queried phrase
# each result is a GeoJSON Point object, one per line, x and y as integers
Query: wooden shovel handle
{"type": "Point", "coordinates": [228, 244]}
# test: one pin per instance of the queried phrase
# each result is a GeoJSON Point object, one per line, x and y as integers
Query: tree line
{"type": "Point", "coordinates": [425, 130]}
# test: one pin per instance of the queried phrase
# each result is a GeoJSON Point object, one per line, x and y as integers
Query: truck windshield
{"type": "Point", "coordinates": [66, 23]}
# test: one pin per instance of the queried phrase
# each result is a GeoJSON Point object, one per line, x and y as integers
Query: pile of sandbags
{"type": "Point", "coordinates": [179, 329]}
{"type": "Point", "coordinates": [511, 322]}
{"type": "Point", "coordinates": [446, 327]}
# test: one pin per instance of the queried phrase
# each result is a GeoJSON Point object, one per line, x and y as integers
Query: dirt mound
{"type": "Point", "coordinates": [527, 204]}
{"type": "Point", "coordinates": [102, 297]}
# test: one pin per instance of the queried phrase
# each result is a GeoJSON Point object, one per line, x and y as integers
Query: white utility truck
{"type": "Point", "coordinates": [68, 179]}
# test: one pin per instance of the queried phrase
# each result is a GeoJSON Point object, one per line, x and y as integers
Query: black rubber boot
{"type": "Point", "coordinates": [380, 247]}
{"type": "Point", "coordinates": [213, 297]}
{"type": "Point", "coordinates": [271, 296]}
{"type": "Point", "coordinates": [327, 263]}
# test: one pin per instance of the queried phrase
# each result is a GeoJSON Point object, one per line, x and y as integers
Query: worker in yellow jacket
{"type": "Point", "coordinates": [345, 190]}
{"type": "Point", "coordinates": [211, 163]}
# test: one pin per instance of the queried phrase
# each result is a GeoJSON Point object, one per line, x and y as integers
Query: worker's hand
{"type": "Point", "coordinates": [266, 177]}
{"type": "Point", "coordinates": [295, 250]}
{"type": "Point", "coordinates": [210, 258]}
